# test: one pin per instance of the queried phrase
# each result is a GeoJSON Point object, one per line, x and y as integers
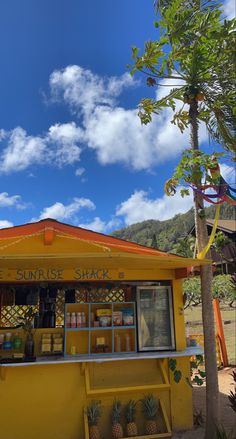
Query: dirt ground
{"type": "Point", "coordinates": [227, 416]}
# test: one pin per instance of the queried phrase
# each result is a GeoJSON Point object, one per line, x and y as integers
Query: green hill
{"type": "Point", "coordinates": [167, 232]}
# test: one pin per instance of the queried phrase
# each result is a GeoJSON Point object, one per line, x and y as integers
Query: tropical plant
{"type": "Point", "coordinates": [150, 405]}
{"type": "Point", "coordinates": [196, 50]}
{"type": "Point", "coordinates": [27, 320]}
{"type": "Point", "coordinates": [184, 246]}
{"type": "Point", "coordinates": [130, 411]}
{"type": "Point", "coordinates": [117, 429]}
{"type": "Point", "coordinates": [221, 433]}
{"type": "Point", "coordinates": [232, 395]}
{"type": "Point", "coordinates": [93, 412]}
{"type": "Point", "coordinates": [220, 241]}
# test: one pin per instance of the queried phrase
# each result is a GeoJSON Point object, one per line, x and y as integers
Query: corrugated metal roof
{"type": "Point", "coordinates": [228, 225]}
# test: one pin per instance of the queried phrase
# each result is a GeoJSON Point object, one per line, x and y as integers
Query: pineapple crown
{"type": "Point", "coordinates": [93, 412]}
{"type": "Point", "coordinates": [130, 410]}
{"type": "Point", "coordinates": [150, 406]}
{"type": "Point", "coordinates": [116, 412]}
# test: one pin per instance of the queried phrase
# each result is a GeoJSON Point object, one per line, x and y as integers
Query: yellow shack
{"type": "Point", "coordinates": [108, 318]}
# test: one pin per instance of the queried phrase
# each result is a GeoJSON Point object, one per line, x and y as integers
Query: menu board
{"type": "Point", "coordinates": [155, 318]}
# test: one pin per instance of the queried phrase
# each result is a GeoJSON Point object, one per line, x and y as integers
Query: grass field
{"type": "Point", "coordinates": [194, 317]}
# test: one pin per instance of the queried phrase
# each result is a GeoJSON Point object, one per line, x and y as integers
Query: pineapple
{"type": "Point", "coordinates": [130, 418]}
{"type": "Point", "coordinates": [93, 413]}
{"type": "Point", "coordinates": [150, 409]}
{"type": "Point", "coordinates": [117, 429]}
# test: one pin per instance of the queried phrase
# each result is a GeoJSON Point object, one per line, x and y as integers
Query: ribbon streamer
{"type": "Point", "coordinates": [204, 251]}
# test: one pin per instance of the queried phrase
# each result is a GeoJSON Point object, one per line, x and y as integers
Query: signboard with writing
{"type": "Point", "coordinates": [57, 274]}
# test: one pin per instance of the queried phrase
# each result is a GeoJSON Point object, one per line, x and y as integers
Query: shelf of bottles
{"type": "Point", "coordinates": [100, 328]}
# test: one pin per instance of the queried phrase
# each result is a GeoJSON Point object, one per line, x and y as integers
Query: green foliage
{"type": "Point", "coordinates": [93, 412]}
{"type": "Point", "coordinates": [232, 394]}
{"type": "Point", "coordinates": [192, 291]}
{"type": "Point", "coordinates": [223, 289]}
{"type": "Point", "coordinates": [184, 246]}
{"type": "Point", "coordinates": [172, 363]}
{"type": "Point", "coordinates": [130, 410]}
{"type": "Point", "coordinates": [197, 374]}
{"type": "Point", "coordinates": [154, 242]}
{"type": "Point", "coordinates": [26, 322]}
{"type": "Point", "coordinates": [116, 412]}
{"type": "Point", "coordinates": [193, 166]}
{"type": "Point", "coordinates": [169, 231]}
{"type": "Point", "coordinates": [196, 48]}
{"type": "Point", "coordinates": [221, 433]}
{"type": "Point", "coordinates": [150, 405]}
{"type": "Point", "coordinates": [220, 242]}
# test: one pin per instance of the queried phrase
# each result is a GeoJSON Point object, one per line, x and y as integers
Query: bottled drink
{"type": "Point", "coordinates": [17, 342]}
{"type": "Point", "coordinates": [117, 343]}
{"type": "Point", "coordinates": [83, 318]}
{"type": "Point", "coordinates": [78, 320]}
{"type": "Point", "coordinates": [68, 320]}
{"type": "Point", "coordinates": [73, 320]}
{"type": "Point", "coordinates": [127, 343]}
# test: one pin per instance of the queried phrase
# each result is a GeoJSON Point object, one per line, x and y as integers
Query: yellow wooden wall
{"type": "Point", "coordinates": [47, 401]}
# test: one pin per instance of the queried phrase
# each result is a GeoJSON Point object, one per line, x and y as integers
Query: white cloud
{"type": "Point", "coordinates": [22, 151]}
{"type": "Point", "coordinates": [7, 201]}
{"type": "Point", "coordinates": [117, 136]}
{"type": "Point", "coordinates": [79, 172]}
{"type": "Point", "coordinates": [138, 207]}
{"type": "Point", "coordinates": [65, 137]}
{"type": "Point", "coordinates": [97, 225]}
{"type": "Point", "coordinates": [4, 224]}
{"type": "Point", "coordinates": [11, 201]}
{"type": "Point", "coordinates": [113, 132]}
{"type": "Point", "coordinates": [82, 90]}
{"type": "Point", "coordinates": [58, 147]}
{"type": "Point", "coordinates": [61, 211]}
{"type": "Point", "coordinates": [2, 134]}
{"type": "Point", "coordinates": [229, 9]}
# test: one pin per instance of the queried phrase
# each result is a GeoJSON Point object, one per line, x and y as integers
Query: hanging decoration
{"type": "Point", "coordinates": [202, 254]}
{"type": "Point", "coordinates": [223, 193]}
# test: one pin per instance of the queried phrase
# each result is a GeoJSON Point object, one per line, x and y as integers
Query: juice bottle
{"type": "Point", "coordinates": [117, 343]}
{"type": "Point", "coordinates": [127, 343]}
{"type": "Point", "coordinates": [73, 320]}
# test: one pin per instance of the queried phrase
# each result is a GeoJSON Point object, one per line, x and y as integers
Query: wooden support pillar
{"type": "Point", "coordinates": [220, 332]}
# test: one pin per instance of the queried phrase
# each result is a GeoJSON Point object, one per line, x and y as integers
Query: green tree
{"type": "Point", "coordinates": [195, 47]}
{"type": "Point", "coordinates": [154, 241]}
{"type": "Point", "coordinates": [184, 246]}
{"type": "Point", "coordinates": [223, 289]}
{"type": "Point", "coordinates": [220, 241]}
{"type": "Point", "coordinates": [192, 292]}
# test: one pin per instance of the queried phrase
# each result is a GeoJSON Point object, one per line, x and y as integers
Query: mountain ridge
{"type": "Point", "coordinates": [167, 232]}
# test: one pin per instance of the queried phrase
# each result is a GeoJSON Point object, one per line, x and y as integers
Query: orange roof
{"type": "Point", "coordinates": [84, 234]}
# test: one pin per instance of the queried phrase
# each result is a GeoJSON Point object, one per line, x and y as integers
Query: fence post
{"type": "Point", "coordinates": [220, 332]}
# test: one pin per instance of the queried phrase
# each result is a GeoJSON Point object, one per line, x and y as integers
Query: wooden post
{"type": "Point", "coordinates": [220, 332]}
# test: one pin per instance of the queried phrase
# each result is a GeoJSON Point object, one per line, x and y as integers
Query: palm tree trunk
{"type": "Point", "coordinates": [212, 390]}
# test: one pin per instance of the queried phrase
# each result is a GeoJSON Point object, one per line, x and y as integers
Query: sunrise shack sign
{"type": "Point", "coordinates": [55, 274]}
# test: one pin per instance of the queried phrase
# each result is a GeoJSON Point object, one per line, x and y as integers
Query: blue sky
{"type": "Point", "coordinates": [71, 144]}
